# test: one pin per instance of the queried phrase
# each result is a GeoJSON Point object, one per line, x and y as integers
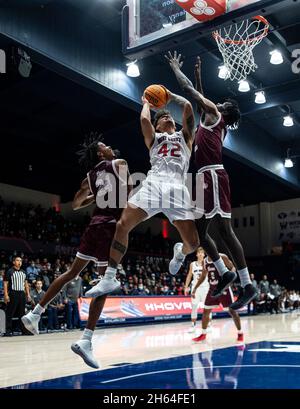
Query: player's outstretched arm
{"type": "Point", "coordinates": [187, 86]}
{"type": "Point", "coordinates": [83, 197]}
{"type": "Point", "coordinates": [146, 124]}
{"type": "Point", "coordinates": [198, 77]}
{"type": "Point", "coordinates": [198, 81]}
{"type": "Point", "coordinates": [188, 118]}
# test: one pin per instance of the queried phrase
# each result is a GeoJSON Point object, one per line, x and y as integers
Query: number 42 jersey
{"type": "Point", "coordinates": [169, 156]}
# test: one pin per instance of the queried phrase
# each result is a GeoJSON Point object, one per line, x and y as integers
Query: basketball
{"type": "Point", "coordinates": [157, 95]}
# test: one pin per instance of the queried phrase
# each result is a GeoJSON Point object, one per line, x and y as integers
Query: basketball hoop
{"type": "Point", "coordinates": [236, 44]}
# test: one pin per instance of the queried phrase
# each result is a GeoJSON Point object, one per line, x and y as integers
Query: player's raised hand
{"type": "Point", "coordinates": [145, 101]}
{"type": "Point", "coordinates": [198, 67]}
{"type": "Point", "coordinates": [175, 60]}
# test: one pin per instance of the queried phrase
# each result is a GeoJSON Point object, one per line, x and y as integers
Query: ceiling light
{"type": "Point", "coordinates": [288, 121]}
{"type": "Point", "coordinates": [244, 86]}
{"type": "Point", "coordinates": [276, 57]}
{"type": "Point", "coordinates": [223, 72]}
{"type": "Point", "coordinates": [260, 97]}
{"type": "Point", "coordinates": [288, 163]}
{"type": "Point", "coordinates": [133, 69]}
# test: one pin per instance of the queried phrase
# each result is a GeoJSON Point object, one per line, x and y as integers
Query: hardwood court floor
{"type": "Point", "coordinates": [39, 359]}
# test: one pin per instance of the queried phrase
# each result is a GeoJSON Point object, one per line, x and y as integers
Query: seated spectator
{"type": "Point", "coordinates": [32, 272]}
{"type": "Point", "coordinates": [45, 277]}
{"type": "Point", "coordinates": [54, 308]}
{"type": "Point", "coordinates": [254, 302]}
{"type": "Point", "coordinates": [73, 291]}
{"type": "Point", "coordinates": [36, 295]}
{"type": "Point", "coordinates": [275, 291]}
{"type": "Point", "coordinates": [264, 288]}
{"type": "Point", "coordinates": [293, 300]}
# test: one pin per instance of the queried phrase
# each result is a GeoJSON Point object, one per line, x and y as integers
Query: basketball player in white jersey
{"type": "Point", "coordinates": [163, 190]}
{"type": "Point", "coordinates": [194, 274]}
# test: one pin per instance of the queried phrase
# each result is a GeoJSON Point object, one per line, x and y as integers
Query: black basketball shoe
{"type": "Point", "coordinates": [225, 281]}
{"type": "Point", "coordinates": [247, 295]}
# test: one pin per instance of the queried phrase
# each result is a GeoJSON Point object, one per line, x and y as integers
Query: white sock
{"type": "Point", "coordinates": [87, 334]}
{"type": "Point", "coordinates": [244, 277]}
{"type": "Point", "coordinates": [204, 331]}
{"type": "Point", "coordinates": [240, 331]}
{"type": "Point", "coordinates": [38, 309]}
{"type": "Point", "coordinates": [110, 272]}
{"type": "Point", "coordinates": [193, 324]}
{"type": "Point", "coordinates": [220, 266]}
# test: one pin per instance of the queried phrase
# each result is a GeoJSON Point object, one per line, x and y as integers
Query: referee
{"type": "Point", "coordinates": [15, 287]}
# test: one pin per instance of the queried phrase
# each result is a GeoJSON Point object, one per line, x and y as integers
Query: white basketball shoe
{"type": "Point", "coordinates": [31, 322]}
{"type": "Point", "coordinates": [177, 260]}
{"type": "Point", "coordinates": [84, 348]}
{"type": "Point", "coordinates": [105, 286]}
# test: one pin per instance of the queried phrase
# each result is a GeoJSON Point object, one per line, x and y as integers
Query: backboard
{"type": "Point", "coordinates": [146, 22]}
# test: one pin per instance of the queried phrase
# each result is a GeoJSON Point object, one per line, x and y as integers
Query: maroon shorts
{"type": "Point", "coordinates": [225, 299]}
{"type": "Point", "coordinates": [217, 198]}
{"type": "Point", "coordinates": [95, 243]}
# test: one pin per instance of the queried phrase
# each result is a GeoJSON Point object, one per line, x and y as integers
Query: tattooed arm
{"type": "Point", "coordinates": [198, 81]}
{"type": "Point", "coordinates": [207, 106]}
{"type": "Point", "coordinates": [146, 124]}
{"type": "Point", "coordinates": [188, 119]}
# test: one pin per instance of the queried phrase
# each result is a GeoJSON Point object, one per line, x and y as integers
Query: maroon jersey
{"type": "Point", "coordinates": [104, 183]}
{"type": "Point", "coordinates": [213, 277]}
{"type": "Point", "coordinates": [212, 274]}
{"type": "Point", "coordinates": [209, 143]}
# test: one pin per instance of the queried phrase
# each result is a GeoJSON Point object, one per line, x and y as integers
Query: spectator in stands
{"type": "Point", "coordinates": [73, 291]}
{"type": "Point", "coordinates": [55, 307]}
{"type": "Point", "coordinates": [32, 272]}
{"type": "Point", "coordinates": [1, 284]}
{"type": "Point", "coordinates": [293, 300]}
{"type": "Point", "coordinates": [180, 289]}
{"type": "Point", "coordinates": [37, 292]}
{"type": "Point", "coordinates": [254, 302]}
{"type": "Point", "coordinates": [283, 300]}
{"type": "Point", "coordinates": [264, 288]}
{"type": "Point", "coordinates": [36, 295]}
{"type": "Point", "coordinates": [86, 281]}
{"type": "Point", "coordinates": [275, 291]}
{"type": "Point", "coordinates": [45, 278]}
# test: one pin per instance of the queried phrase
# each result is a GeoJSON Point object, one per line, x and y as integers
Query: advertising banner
{"type": "Point", "coordinates": [135, 309]}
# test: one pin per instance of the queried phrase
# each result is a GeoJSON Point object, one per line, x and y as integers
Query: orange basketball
{"type": "Point", "coordinates": [157, 95]}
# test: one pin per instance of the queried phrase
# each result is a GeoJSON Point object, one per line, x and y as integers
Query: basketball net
{"type": "Point", "coordinates": [236, 44]}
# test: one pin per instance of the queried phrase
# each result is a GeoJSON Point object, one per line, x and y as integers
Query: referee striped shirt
{"type": "Point", "coordinates": [16, 279]}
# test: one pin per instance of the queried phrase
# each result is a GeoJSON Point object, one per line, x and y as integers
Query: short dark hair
{"type": "Point", "coordinates": [14, 258]}
{"type": "Point", "coordinates": [158, 115]}
{"type": "Point", "coordinates": [232, 114]}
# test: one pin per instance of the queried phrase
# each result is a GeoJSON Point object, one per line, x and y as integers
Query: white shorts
{"type": "Point", "coordinates": [200, 295]}
{"type": "Point", "coordinates": [158, 196]}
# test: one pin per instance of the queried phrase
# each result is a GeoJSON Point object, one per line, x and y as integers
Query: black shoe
{"type": "Point", "coordinates": [247, 295]}
{"type": "Point", "coordinates": [8, 334]}
{"type": "Point", "coordinates": [226, 280]}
